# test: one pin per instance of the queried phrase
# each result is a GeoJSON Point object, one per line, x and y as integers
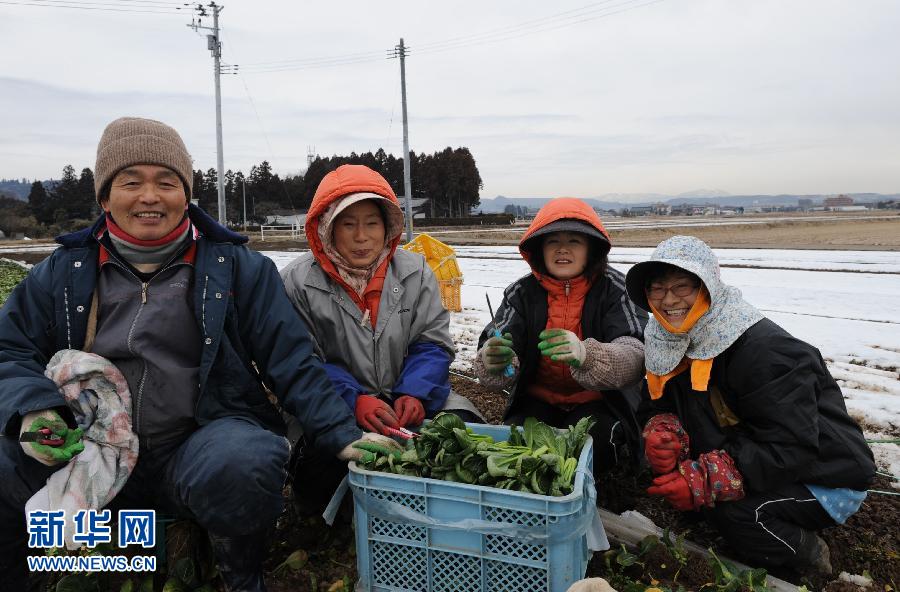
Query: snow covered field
{"type": "Point", "coordinates": [843, 302]}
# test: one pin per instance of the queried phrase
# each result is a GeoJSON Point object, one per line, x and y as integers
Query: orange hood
{"type": "Point", "coordinates": [561, 208]}
{"type": "Point", "coordinates": [347, 179]}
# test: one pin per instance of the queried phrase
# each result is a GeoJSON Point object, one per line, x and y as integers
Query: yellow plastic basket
{"type": "Point", "coordinates": [442, 261]}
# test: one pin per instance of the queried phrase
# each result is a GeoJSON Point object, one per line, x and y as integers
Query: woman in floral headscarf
{"type": "Point", "coordinates": [745, 421]}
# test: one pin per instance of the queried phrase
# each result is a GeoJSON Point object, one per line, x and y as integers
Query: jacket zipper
{"type": "Point", "coordinates": [139, 397]}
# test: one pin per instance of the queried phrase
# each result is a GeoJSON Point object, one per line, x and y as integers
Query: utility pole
{"type": "Point", "coordinates": [244, 191]}
{"type": "Point", "coordinates": [401, 51]}
{"type": "Point", "coordinates": [214, 45]}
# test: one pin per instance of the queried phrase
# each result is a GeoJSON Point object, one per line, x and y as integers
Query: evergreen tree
{"type": "Point", "coordinates": [207, 196]}
{"type": "Point", "coordinates": [40, 203]}
{"type": "Point", "coordinates": [65, 196]}
{"type": "Point", "coordinates": [84, 205]}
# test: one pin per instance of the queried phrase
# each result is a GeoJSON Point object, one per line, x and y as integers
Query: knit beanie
{"type": "Point", "coordinates": [134, 140]}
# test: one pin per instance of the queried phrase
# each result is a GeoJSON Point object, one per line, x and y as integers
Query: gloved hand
{"type": "Point", "coordinates": [497, 353]}
{"type": "Point", "coordinates": [674, 487]}
{"type": "Point", "coordinates": [66, 442]}
{"type": "Point", "coordinates": [665, 442]}
{"type": "Point", "coordinates": [373, 414]}
{"type": "Point", "coordinates": [562, 346]}
{"type": "Point", "coordinates": [662, 450]}
{"type": "Point", "coordinates": [352, 452]}
{"type": "Point", "coordinates": [712, 478]}
{"type": "Point", "coordinates": [409, 410]}
{"type": "Point", "coordinates": [591, 585]}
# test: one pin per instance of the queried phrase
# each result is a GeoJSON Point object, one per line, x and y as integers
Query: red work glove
{"type": "Point", "coordinates": [712, 477]}
{"type": "Point", "coordinates": [665, 443]}
{"type": "Point", "coordinates": [674, 487]}
{"type": "Point", "coordinates": [662, 450]}
{"type": "Point", "coordinates": [373, 414]}
{"type": "Point", "coordinates": [409, 410]}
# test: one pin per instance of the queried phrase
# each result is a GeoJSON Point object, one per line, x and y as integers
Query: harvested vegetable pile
{"type": "Point", "coordinates": [10, 275]}
{"type": "Point", "coordinates": [539, 459]}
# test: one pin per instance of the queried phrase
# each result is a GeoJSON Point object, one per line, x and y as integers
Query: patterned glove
{"type": "Point", "coordinates": [712, 478]}
{"type": "Point", "coordinates": [497, 353]}
{"type": "Point", "coordinates": [562, 346]}
{"type": "Point", "coordinates": [373, 414]}
{"type": "Point", "coordinates": [409, 410]}
{"type": "Point", "coordinates": [674, 487]}
{"type": "Point", "coordinates": [61, 443]}
{"type": "Point", "coordinates": [351, 452]}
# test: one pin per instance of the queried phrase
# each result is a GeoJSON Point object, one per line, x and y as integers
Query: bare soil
{"type": "Point", "coordinates": [812, 232]}
{"type": "Point", "coordinates": [872, 231]}
{"type": "Point", "coordinates": [868, 542]}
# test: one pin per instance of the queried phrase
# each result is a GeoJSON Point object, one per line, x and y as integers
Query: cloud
{"type": "Point", "coordinates": [754, 97]}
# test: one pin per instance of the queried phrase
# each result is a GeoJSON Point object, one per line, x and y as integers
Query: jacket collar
{"type": "Point", "coordinates": [207, 226]}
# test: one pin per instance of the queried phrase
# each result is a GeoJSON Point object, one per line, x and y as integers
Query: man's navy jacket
{"type": "Point", "coordinates": [250, 331]}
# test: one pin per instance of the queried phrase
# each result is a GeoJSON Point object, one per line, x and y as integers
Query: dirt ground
{"type": "Point", "coordinates": [812, 232]}
{"type": "Point", "coordinates": [872, 231]}
{"type": "Point", "coordinates": [868, 543]}
{"type": "Point", "coordinates": [324, 559]}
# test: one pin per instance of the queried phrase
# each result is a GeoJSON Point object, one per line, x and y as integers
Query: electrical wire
{"type": "Point", "coordinates": [319, 63]}
{"type": "Point", "coordinates": [534, 30]}
{"type": "Point", "coordinates": [568, 18]}
{"type": "Point", "coordinates": [302, 61]}
{"type": "Point", "coordinates": [518, 27]}
{"type": "Point", "coordinates": [262, 129]}
{"type": "Point", "coordinates": [98, 6]}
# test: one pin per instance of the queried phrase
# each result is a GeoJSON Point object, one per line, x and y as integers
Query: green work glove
{"type": "Point", "coordinates": [43, 453]}
{"type": "Point", "coordinates": [561, 345]}
{"type": "Point", "coordinates": [497, 353]}
{"type": "Point", "coordinates": [370, 441]}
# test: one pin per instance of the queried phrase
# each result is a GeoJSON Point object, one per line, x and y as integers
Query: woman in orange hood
{"type": "Point", "coordinates": [571, 337]}
{"type": "Point", "coordinates": [373, 310]}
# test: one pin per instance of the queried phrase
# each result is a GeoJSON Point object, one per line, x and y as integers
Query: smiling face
{"type": "Point", "coordinates": [673, 295]}
{"type": "Point", "coordinates": [359, 233]}
{"type": "Point", "coordinates": [146, 201]}
{"type": "Point", "coordinates": [565, 254]}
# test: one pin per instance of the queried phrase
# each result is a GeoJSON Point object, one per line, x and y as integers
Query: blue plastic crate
{"type": "Point", "coordinates": [424, 535]}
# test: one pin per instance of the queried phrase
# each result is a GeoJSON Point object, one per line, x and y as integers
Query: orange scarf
{"type": "Point", "coordinates": [700, 369]}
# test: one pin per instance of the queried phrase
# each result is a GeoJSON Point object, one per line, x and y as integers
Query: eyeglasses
{"type": "Point", "coordinates": [680, 290]}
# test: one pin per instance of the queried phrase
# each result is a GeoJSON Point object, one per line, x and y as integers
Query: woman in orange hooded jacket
{"type": "Point", "coordinates": [570, 334]}
{"type": "Point", "coordinates": [374, 314]}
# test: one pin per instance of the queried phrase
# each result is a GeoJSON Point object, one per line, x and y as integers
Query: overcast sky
{"type": "Point", "coordinates": [563, 98]}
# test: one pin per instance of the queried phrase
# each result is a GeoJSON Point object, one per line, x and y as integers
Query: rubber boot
{"type": "Point", "coordinates": [813, 555]}
{"type": "Point", "coordinates": [240, 561]}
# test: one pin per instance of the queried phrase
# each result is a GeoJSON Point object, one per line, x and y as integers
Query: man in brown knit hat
{"type": "Point", "coordinates": [196, 323]}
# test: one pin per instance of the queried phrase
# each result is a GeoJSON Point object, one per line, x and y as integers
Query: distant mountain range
{"type": "Point", "coordinates": [619, 201]}
{"type": "Point", "coordinates": [16, 188]}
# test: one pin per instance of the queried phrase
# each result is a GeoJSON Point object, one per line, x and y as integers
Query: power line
{"type": "Point", "coordinates": [162, 2]}
{"type": "Point", "coordinates": [539, 28]}
{"type": "Point", "coordinates": [265, 134]}
{"type": "Point", "coordinates": [158, 4]}
{"type": "Point", "coordinates": [568, 18]}
{"type": "Point", "coordinates": [301, 61]}
{"type": "Point", "coordinates": [98, 6]}
{"type": "Point", "coordinates": [313, 63]}
{"type": "Point", "coordinates": [516, 27]}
